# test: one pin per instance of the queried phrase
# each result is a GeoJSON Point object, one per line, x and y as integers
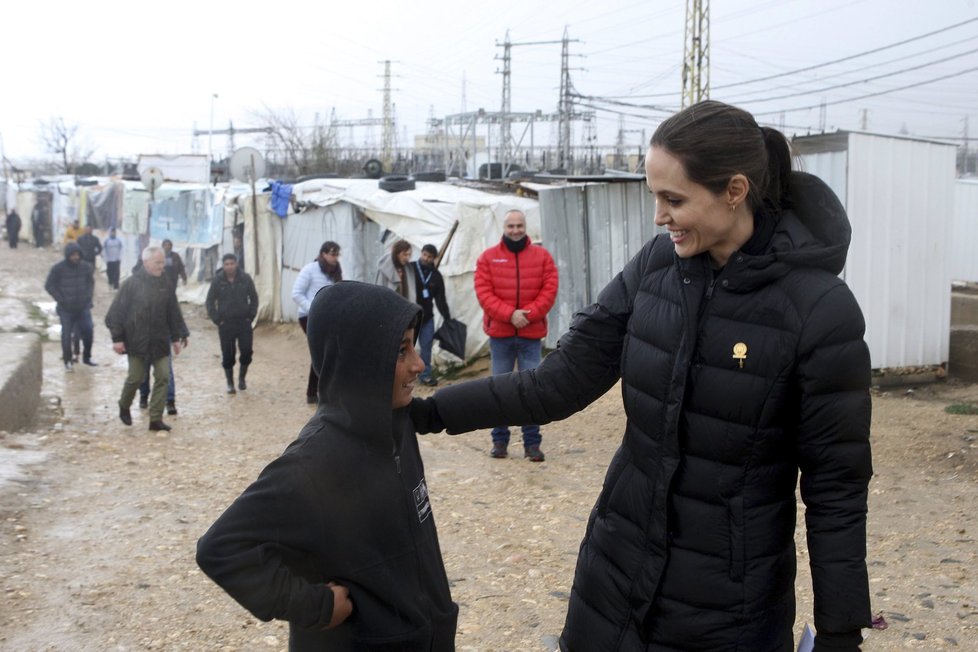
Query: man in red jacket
{"type": "Point", "coordinates": [516, 284]}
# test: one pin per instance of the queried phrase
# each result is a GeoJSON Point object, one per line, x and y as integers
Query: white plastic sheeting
{"type": "Point", "coordinates": [899, 196]}
{"type": "Point", "coordinates": [355, 213]}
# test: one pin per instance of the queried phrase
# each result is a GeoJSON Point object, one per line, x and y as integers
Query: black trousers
{"type": "Point", "coordinates": [112, 271]}
{"type": "Point", "coordinates": [312, 387]}
{"type": "Point", "coordinates": [231, 332]}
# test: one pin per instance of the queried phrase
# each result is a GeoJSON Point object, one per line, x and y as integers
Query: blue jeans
{"type": "Point", "coordinates": [426, 338]}
{"type": "Point", "coordinates": [506, 352]}
{"type": "Point", "coordinates": [171, 385]}
{"type": "Point", "coordinates": [71, 320]}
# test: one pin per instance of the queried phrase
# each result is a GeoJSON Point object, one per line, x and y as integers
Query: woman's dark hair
{"type": "Point", "coordinates": [399, 247]}
{"type": "Point", "coordinates": [335, 273]}
{"type": "Point", "coordinates": [329, 247]}
{"type": "Point", "coordinates": [714, 141]}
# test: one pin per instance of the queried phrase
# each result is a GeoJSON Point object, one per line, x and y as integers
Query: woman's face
{"type": "Point", "coordinates": [409, 366]}
{"type": "Point", "coordinates": [404, 257]}
{"type": "Point", "coordinates": [697, 219]}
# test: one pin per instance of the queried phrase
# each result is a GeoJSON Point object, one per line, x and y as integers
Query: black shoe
{"type": "Point", "coordinates": [241, 377]}
{"type": "Point", "coordinates": [143, 402]}
{"type": "Point", "coordinates": [533, 453]}
{"type": "Point", "coordinates": [90, 363]}
{"type": "Point", "coordinates": [69, 366]}
{"type": "Point", "coordinates": [171, 407]}
{"type": "Point", "coordinates": [498, 451]}
{"type": "Point", "coordinates": [229, 376]}
{"type": "Point", "coordinates": [125, 416]}
{"type": "Point", "coordinates": [312, 400]}
{"type": "Point", "coordinates": [158, 425]}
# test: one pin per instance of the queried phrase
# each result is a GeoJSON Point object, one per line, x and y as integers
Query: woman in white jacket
{"type": "Point", "coordinates": [320, 273]}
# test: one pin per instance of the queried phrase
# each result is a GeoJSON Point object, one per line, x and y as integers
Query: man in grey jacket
{"type": "Point", "coordinates": [145, 320]}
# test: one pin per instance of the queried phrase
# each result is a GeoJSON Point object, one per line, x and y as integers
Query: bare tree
{"type": "Point", "coordinates": [305, 149]}
{"type": "Point", "coordinates": [62, 139]}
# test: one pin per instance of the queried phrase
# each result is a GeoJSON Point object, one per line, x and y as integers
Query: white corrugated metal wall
{"type": "Point", "coordinates": [591, 231]}
{"type": "Point", "coordinates": [964, 244]}
{"type": "Point", "coordinates": [899, 196]}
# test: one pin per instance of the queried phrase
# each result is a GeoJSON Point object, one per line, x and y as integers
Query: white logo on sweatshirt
{"type": "Point", "coordinates": [421, 501]}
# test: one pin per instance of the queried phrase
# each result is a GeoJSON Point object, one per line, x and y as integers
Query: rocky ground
{"type": "Point", "coordinates": [98, 521]}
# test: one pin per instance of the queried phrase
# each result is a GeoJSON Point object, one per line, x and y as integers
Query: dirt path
{"type": "Point", "coordinates": [98, 522]}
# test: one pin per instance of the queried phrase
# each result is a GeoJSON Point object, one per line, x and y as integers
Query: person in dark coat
{"type": "Point", "coordinates": [174, 264]}
{"type": "Point", "coordinates": [145, 322]}
{"type": "Point", "coordinates": [742, 363]}
{"type": "Point", "coordinates": [72, 284]}
{"type": "Point", "coordinates": [13, 228]}
{"type": "Point", "coordinates": [430, 291]}
{"type": "Point", "coordinates": [90, 246]}
{"type": "Point", "coordinates": [232, 303]}
{"type": "Point", "coordinates": [337, 535]}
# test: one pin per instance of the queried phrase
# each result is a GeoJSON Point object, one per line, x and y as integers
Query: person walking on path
{"type": "Point", "coordinates": [430, 291]}
{"type": "Point", "coordinates": [72, 233]}
{"type": "Point", "coordinates": [392, 269]}
{"type": "Point", "coordinates": [232, 303]}
{"type": "Point", "coordinates": [13, 228]}
{"type": "Point", "coordinates": [516, 285]}
{"type": "Point", "coordinates": [337, 536]}
{"type": "Point", "coordinates": [742, 363]}
{"type": "Point", "coordinates": [145, 321]}
{"type": "Point", "coordinates": [90, 246]}
{"type": "Point", "coordinates": [324, 271]}
{"type": "Point", "coordinates": [72, 284]}
{"type": "Point", "coordinates": [38, 226]}
{"type": "Point", "coordinates": [112, 253]}
{"type": "Point", "coordinates": [174, 264]}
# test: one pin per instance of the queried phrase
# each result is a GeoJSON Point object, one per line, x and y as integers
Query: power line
{"type": "Point", "coordinates": [848, 58]}
{"type": "Point", "coordinates": [862, 97]}
{"type": "Point", "coordinates": [858, 81]}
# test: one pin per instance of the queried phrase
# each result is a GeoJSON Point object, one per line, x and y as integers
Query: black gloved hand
{"type": "Point", "coordinates": [424, 414]}
{"type": "Point", "coordinates": [845, 642]}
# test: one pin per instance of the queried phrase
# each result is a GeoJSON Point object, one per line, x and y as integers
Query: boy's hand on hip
{"type": "Point", "coordinates": [342, 605]}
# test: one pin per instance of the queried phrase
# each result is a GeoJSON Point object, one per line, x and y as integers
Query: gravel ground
{"type": "Point", "coordinates": [98, 521]}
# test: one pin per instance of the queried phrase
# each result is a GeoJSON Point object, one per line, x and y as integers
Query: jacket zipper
{"type": "Point", "coordinates": [517, 287]}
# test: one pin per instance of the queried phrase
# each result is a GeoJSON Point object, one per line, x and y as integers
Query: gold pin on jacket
{"type": "Point", "coordinates": [740, 353]}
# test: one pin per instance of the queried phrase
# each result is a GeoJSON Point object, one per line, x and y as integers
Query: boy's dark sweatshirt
{"type": "Point", "coordinates": [346, 502]}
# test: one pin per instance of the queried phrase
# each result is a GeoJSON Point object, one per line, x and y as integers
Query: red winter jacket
{"type": "Point", "coordinates": [505, 282]}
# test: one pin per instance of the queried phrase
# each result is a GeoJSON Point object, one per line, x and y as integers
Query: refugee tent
{"type": "Point", "coordinates": [365, 221]}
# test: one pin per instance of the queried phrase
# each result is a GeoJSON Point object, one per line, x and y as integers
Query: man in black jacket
{"type": "Point", "coordinates": [90, 246]}
{"type": "Point", "coordinates": [337, 535]}
{"type": "Point", "coordinates": [13, 228]}
{"type": "Point", "coordinates": [144, 319]}
{"type": "Point", "coordinates": [72, 283]}
{"type": "Point", "coordinates": [430, 292]}
{"type": "Point", "coordinates": [232, 304]}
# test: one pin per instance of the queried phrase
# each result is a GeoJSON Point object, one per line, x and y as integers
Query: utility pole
{"type": "Point", "coordinates": [864, 119]}
{"type": "Point", "coordinates": [388, 136]}
{"type": "Point", "coordinates": [821, 116]}
{"type": "Point", "coordinates": [696, 53]}
{"type": "Point", "coordinates": [565, 108]}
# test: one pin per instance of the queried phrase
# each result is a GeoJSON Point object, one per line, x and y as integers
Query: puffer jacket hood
{"type": "Point", "coordinates": [351, 385]}
{"type": "Point", "coordinates": [71, 248]}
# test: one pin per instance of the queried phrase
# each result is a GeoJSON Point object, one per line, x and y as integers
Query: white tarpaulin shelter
{"type": "Point", "coordinates": [357, 215]}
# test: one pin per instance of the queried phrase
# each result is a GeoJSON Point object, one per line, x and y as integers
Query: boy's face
{"type": "Point", "coordinates": [409, 365]}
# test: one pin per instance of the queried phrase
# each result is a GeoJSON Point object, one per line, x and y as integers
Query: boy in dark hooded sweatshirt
{"type": "Point", "coordinates": [336, 536]}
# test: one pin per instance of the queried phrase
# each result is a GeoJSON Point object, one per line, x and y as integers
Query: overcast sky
{"type": "Point", "coordinates": [139, 77]}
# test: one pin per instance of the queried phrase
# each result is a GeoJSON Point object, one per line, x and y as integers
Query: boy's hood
{"type": "Point", "coordinates": [354, 332]}
{"type": "Point", "coordinates": [71, 248]}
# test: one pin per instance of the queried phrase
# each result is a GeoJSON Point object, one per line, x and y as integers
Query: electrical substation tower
{"type": "Point", "coordinates": [507, 149]}
{"type": "Point", "coordinates": [565, 109]}
{"type": "Point", "coordinates": [696, 53]}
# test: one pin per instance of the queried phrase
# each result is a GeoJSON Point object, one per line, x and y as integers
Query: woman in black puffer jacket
{"type": "Point", "coordinates": [742, 362]}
